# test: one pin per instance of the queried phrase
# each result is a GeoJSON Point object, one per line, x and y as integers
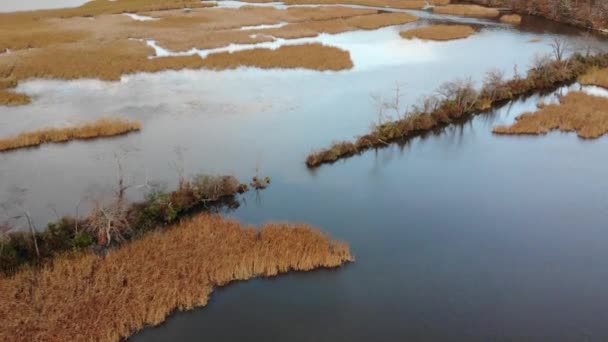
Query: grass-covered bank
{"type": "Point", "coordinates": [458, 99]}
{"type": "Point", "coordinates": [439, 32]}
{"type": "Point", "coordinates": [88, 297]}
{"type": "Point", "coordinates": [104, 127]}
{"type": "Point", "coordinates": [587, 115]}
{"type": "Point", "coordinates": [116, 221]}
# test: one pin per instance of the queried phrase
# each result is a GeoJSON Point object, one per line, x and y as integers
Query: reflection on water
{"type": "Point", "coordinates": [458, 234]}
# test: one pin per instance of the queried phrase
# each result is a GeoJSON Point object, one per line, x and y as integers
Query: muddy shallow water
{"type": "Point", "coordinates": [458, 235]}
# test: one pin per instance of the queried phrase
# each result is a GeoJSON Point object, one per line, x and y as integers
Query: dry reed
{"type": "Point", "coordinates": [107, 298]}
{"type": "Point", "coordinates": [587, 115]}
{"type": "Point", "coordinates": [596, 76]}
{"type": "Point", "coordinates": [514, 19]}
{"type": "Point", "coordinates": [401, 4]}
{"type": "Point", "coordinates": [467, 11]}
{"type": "Point", "coordinates": [104, 127]}
{"type": "Point", "coordinates": [310, 56]}
{"type": "Point", "coordinates": [370, 22]}
{"type": "Point", "coordinates": [439, 32]}
{"type": "Point", "coordinates": [9, 98]}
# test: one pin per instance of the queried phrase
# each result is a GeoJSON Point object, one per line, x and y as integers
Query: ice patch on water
{"type": "Point", "coordinates": [140, 17]}
{"type": "Point", "coordinates": [262, 27]}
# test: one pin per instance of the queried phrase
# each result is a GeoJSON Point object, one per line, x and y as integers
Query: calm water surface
{"type": "Point", "coordinates": [459, 235]}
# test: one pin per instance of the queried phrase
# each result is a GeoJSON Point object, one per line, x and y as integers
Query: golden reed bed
{"type": "Point", "coordinates": [513, 19]}
{"type": "Point", "coordinates": [587, 115]}
{"type": "Point", "coordinates": [439, 32]}
{"type": "Point", "coordinates": [106, 298]}
{"type": "Point", "coordinates": [467, 10]}
{"type": "Point", "coordinates": [95, 41]}
{"type": "Point", "coordinates": [596, 76]}
{"type": "Point", "coordinates": [105, 127]}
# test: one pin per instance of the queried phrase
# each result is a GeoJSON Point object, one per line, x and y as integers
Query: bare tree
{"type": "Point", "coordinates": [393, 105]}
{"type": "Point", "coordinates": [461, 91]}
{"type": "Point", "coordinates": [109, 221]}
{"type": "Point", "coordinates": [14, 210]}
{"type": "Point", "coordinates": [560, 47]}
{"type": "Point", "coordinates": [493, 82]}
{"type": "Point", "coordinates": [540, 61]}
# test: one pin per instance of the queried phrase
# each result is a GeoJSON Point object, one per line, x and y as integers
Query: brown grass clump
{"type": "Point", "coordinates": [595, 76]}
{"type": "Point", "coordinates": [514, 19]}
{"type": "Point", "coordinates": [439, 32]}
{"type": "Point", "coordinates": [310, 56]}
{"type": "Point", "coordinates": [467, 11]}
{"type": "Point", "coordinates": [9, 98]}
{"type": "Point", "coordinates": [101, 128]}
{"type": "Point", "coordinates": [375, 21]}
{"type": "Point", "coordinates": [401, 4]}
{"type": "Point", "coordinates": [587, 115]}
{"type": "Point", "coordinates": [107, 298]}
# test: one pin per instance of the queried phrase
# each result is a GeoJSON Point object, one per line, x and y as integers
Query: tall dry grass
{"type": "Point", "coordinates": [86, 297]}
{"type": "Point", "coordinates": [401, 4]}
{"type": "Point", "coordinates": [439, 32]}
{"type": "Point", "coordinates": [375, 21]}
{"type": "Point", "coordinates": [596, 76]}
{"type": "Point", "coordinates": [105, 127]}
{"type": "Point", "coordinates": [333, 26]}
{"type": "Point", "coordinates": [587, 115]}
{"type": "Point", "coordinates": [467, 11]}
{"type": "Point", "coordinates": [10, 98]}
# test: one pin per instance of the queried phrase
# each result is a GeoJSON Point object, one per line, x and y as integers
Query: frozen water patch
{"type": "Point", "coordinates": [262, 27]}
{"type": "Point", "coordinates": [596, 91]}
{"type": "Point", "coordinates": [239, 4]}
{"type": "Point", "coordinates": [140, 17]}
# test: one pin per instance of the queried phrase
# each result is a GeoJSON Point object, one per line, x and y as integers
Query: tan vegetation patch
{"type": "Point", "coordinates": [514, 19]}
{"type": "Point", "coordinates": [401, 4]}
{"type": "Point", "coordinates": [313, 28]}
{"type": "Point", "coordinates": [309, 56]}
{"type": "Point", "coordinates": [596, 76]}
{"type": "Point", "coordinates": [50, 44]}
{"type": "Point", "coordinates": [370, 22]}
{"type": "Point", "coordinates": [10, 98]}
{"type": "Point", "coordinates": [109, 62]}
{"type": "Point", "coordinates": [587, 115]}
{"type": "Point", "coordinates": [467, 11]}
{"type": "Point", "coordinates": [105, 127]}
{"type": "Point", "coordinates": [439, 32]}
{"type": "Point", "coordinates": [106, 298]}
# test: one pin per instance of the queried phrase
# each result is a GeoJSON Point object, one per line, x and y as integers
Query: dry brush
{"type": "Point", "coordinates": [107, 298]}
{"type": "Point", "coordinates": [104, 127]}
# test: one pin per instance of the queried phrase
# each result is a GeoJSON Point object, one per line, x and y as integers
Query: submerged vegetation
{"type": "Point", "coordinates": [104, 127]}
{"type": "Point", "coordinates": [587, 115]}
{"type": "Point", "coordinates": [439, 32]}
{"type": "Point", "coordinates": [595, 76]}
{"type": "Point", "coordinates": [84, 296]}
{"type": "Point", "coordinates": [458, 99]}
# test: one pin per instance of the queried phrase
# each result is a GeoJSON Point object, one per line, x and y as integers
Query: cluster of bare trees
{"type": "Point", "coordinates": [590, 13]}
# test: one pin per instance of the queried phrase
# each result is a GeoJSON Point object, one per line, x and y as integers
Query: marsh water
{"type": "Point", "coordinates": [458, 234]}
